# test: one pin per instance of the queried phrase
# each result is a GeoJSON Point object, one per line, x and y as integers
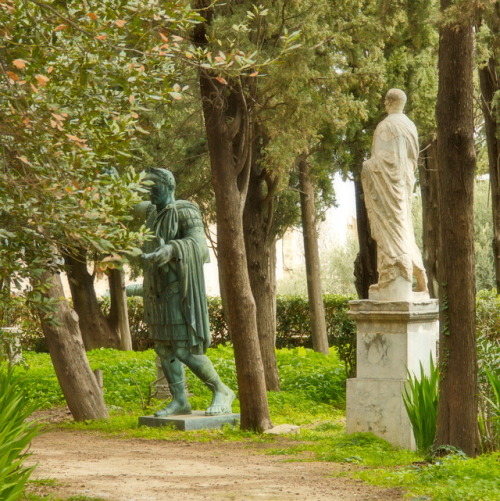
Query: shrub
{"type": "Point", "coordinates": [14, 311]}
{"type": "Point", "coordinates": [294, 328]}
{"type": "Point", "coordinates": [138, 328]}
{"type": "Point", "coordinates": [341, 330]}
{"type": "Point", "coordinates": [218, 325]}
{"type": "Point", "coordinates": [15, 436]}
{"type": "Point", "coordinates": [420, 398]}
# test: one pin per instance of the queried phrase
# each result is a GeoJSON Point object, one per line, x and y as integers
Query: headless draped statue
{"type": "Point", "coordinates": [388, 177]}
{"type": "Point", "coordinates": [175, 304]}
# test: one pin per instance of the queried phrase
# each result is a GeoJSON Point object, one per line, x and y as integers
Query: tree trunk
{"type": "Point", "coordinates": [489, 82]}
{"type": "Point", "coordinates": [118, 313]}
{"type": "Point", "coordinates": [64, 341]}
{"type": "Point", "coordinates": [365, 266]}
{"type": "Point", "coordinates": [228, 128]}
{"type": "Point", "coordinates": [260, 248]}
{"type": "Point", "coordinates": [241, 309]}
{"type": "Point", "coordinates": [308, 213]}
{"type": "Point", "coordinates": [95, 329]}
{"type": "Point", "coordinates": [428, 171]}
{"type": "Point", "coordinates": [457, 411]}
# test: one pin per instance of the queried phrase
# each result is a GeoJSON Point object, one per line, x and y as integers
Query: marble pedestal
{"type": "Point", "coordinates": [392, 337]}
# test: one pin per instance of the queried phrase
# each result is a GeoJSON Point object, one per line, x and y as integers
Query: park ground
{"type": "Point", "coordinates": [93, 466]}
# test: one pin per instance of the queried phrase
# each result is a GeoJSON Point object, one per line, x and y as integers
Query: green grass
{"type": "Point", "coordinates": [452, 478]}
{"type": "Point", "coordinates": [313, 397]}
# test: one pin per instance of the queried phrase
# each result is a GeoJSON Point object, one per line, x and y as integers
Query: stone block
{"type": "Point", "coordinates": [188, 422]}
{"type": "Point", "coordinates": [376, 406]}
{"type": "Point", "coordinates": [283, 429]}
{"type": "Point", "coordinates": [393, 337]}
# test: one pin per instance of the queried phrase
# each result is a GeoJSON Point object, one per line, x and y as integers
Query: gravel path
{"type": "Point", "coordinates": [116, 469]}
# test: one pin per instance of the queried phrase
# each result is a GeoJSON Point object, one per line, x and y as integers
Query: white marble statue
{"type": "Point", "coordinates": [388, 177]}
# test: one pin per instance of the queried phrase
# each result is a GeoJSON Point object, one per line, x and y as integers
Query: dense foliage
{"type": "Point", "coordinates": [129, 377]}
{"type": "Point", "coordinates": [293, 325]}
{"type": "Point", "coordinates": [293, 328]}
{"type": "Point", "coordinates": [75, 80]}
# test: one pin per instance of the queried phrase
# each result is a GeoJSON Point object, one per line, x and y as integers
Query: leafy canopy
{"type": "Point", "coordinates": [74, 80]}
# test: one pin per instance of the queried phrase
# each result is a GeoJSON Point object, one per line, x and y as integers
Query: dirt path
{"type": "Point", "coordinates": [145, 470]}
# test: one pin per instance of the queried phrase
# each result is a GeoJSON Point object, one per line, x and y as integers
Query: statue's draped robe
{"type": "Point", "coordinates": [175, 304]}
{"type": "Point", "coordinates": [388, 178]}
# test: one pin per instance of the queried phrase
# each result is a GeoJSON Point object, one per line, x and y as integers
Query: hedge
{"type": "Point", "coordinates": [293, 327]}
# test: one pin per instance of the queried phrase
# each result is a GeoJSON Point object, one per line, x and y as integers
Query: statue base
{"type": "Point", "coordinates": [398, 289]}
{"type": "Point", "coordinates": [393, 337]}
{"type": "Point", "coordinates": [188, 422]}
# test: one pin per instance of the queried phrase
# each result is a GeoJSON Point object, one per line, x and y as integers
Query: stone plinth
{"type": "Point", "coordinates": [187, 422]}
{"type": "Point", "coordinates": [392, 337]}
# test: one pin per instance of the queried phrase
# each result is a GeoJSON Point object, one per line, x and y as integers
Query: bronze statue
{"type": "Point", "coordinates": [175, 304]}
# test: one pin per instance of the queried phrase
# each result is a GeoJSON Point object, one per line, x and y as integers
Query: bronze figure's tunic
{"type": "Point", "coordinates": [175, 304]}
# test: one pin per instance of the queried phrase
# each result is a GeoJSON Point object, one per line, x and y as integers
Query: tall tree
{"type": "Point", "coordinates": [118, 311]}
{"type": "Point", "coordinates": [260, 240]}
{"type": "Point", "coordinates": [229, 132]}
{"type": "Point", "coordinates": [457, 410]}
{"type": "Point", "coordinates": [365, 265]}
{"type": "Point", "coordinates": [95, 329]}
{"type": "Point", "coordinates": [98, 330]}
{"type": "Point", "coordinates": [309, 230]}
{"type": "Point", "coordinates": [421, 38]}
